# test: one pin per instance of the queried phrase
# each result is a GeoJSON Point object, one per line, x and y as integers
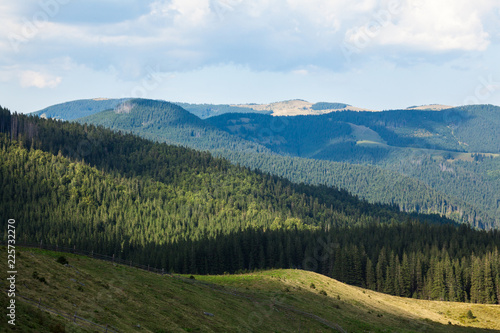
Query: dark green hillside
{"type": "Point", "coordinates": [158, 224]}
{"type": "Point", "coordinates": [299, 135]}
{"type": "Point", "coordinates": [472, 129]}
{"type": "Point", "coordinates": [319, 137]}
{"type": "Point", "coordinates": [480, 128]}
{"type": "Point", "coordinates": [470, 181]}
{"type": "Point", "coordinates": [86, 107]}
{"type": "Point", "coordinates": [441, 149]}
{"type": "Point", "coordinates": [77, 109]}
{"type": "Point", "coordinates": [242, 197]}
{"type": "Point", "coordinates": [83, 186]}
{"type": "Point", "coordinates": [378, 185]}
{"type": "Point", "coordinates": [415, 179]}
{"type": "Point", "coordinates": [167, 122]}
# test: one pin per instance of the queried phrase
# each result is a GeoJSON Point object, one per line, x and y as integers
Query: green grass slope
{"type": "Point", "coordinates": [133, 300]}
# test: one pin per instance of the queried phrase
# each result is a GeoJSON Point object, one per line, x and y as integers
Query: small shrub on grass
{"type": "Point", "coordinates": [322, 292]}
{"type": "Point", "coordinates": [312, 286]}
{"type": "Point", "coordinates": [35, 275]}
{"type": "Point", "coordinates": [470, 315]}
{"type": "Point", "coordinates": [62, 260]}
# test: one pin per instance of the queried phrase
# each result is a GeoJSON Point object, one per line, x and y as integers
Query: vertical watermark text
{"type": "Point", "coordinates": [11, 271]}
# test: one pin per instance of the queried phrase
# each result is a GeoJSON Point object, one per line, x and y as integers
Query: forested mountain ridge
{"type": "Point", "coordinates": [426, 178]}
{"type": "Point", "coordinates": [167, 122]}
{"type": "Point", "coordinates": [372, 183]}
{"type": "Point", "coordinates": [86, 107]}
{"type": "Point", "coordinates": [205, 177]}
{"type": "Point", "coordinates": [472, 129]}
{"type": "Point", "coordinates": [78, 109]}
{"type": "Point", "coordinates": [82, 108]}
{"type": "Point", "coordinates": [454, 151]}
{"type": "Point", "coordinates": [85, 186]}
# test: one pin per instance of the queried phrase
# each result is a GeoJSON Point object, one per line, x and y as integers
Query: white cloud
{"type": "Point", "coordinates": [426, 25]}
{"type": "Point", "coordinates": [440, 25]}
{"type": "Point", "coordinates": [275, 35]}
{"type": "Point", "coordinates": [37, 79]}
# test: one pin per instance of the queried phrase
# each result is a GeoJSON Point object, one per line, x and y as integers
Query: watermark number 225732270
{"type": "Point", "coordinates": [11, 271]}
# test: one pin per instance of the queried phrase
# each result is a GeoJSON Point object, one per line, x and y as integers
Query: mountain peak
{"type": "Point", "coordinates": [296, 107]}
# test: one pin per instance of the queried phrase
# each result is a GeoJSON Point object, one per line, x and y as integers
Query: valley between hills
{"type": "Point", "coordinates": [284, 217]}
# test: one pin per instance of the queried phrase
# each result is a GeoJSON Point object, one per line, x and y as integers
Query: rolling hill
{"type": "Point", "coordinates": [86, 107]}
{"type": "Point", "coordinates": [117, 194]}
{"type": "Point", "coordinates": [454, 151]}
{"type": "Point", "coordinates": [421, 153]}
{"type": "Point", "coordinates": [372, 183]}
{"type": "Point", "coordinates": [167, 122]}
{"type": "Point", "coordinates": [80, 108]}
{"type": "Point", "coordinates": [132, 300]}
{"type": "Point", "coordinates": [471, 129]}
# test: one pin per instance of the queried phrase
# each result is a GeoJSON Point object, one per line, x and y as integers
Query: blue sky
{"type": "Point", "coordinates": [376, 54]}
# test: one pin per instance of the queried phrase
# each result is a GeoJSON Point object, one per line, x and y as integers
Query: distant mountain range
{"type": "Point", "coordinates": [437, 159]}
{"type": "Point", "coordinates": [86, 107]}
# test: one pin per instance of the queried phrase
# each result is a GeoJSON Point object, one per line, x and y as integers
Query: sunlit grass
{"type": "Point", "coordinates": [269, 301]}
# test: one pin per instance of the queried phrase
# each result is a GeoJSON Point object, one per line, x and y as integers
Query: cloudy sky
{"type": "Point", "coordinates": [377, 54]}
